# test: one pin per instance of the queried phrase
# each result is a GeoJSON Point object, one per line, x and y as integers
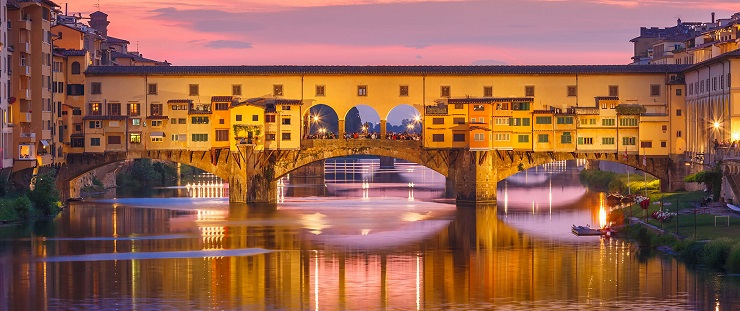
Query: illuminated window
{"type": "Point", "coordinates": [135, 138]}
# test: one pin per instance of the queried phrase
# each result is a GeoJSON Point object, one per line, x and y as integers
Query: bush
{"type": "Point", "coordinates": [733, 260]}
{"type": "Point", "coordinates": [22, 207]}
{"type": "Point", "coordinates": [716, 253]}
{"type": "Point", "coordinates": [45, 196]}
{"type": "Point", "coordinates": [693, 252]}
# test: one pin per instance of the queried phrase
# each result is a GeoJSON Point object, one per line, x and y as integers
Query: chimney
{"type": "Point", "coordinates": [99, 21]}
{"type": "Point", "coordinates": [712, 17]}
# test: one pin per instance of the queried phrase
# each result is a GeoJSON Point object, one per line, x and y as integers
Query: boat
{"type": "Point", "coordinates": [588, 231]}
{"type": "Point", "coordinates": [76, 199]}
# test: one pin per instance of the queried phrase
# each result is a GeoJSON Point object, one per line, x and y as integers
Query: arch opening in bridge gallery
{"type": "Point", "coordinates": [404, 118]}
{"type": "Point", "coordinates": [320, 120]}
{"type": "Point", "coordinates": [362, 120]}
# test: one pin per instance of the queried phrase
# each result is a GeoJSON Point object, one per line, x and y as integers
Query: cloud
{"type": "Point", "coordinates": [228, 44]}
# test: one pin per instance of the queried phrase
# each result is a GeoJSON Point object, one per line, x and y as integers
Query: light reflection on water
{"type": "Point", "coordinates": [349, 252]}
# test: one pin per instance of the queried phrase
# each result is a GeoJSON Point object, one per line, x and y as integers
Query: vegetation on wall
{"type": "Point", "coordinates": [711, 178]}
{"type": "Point", "coordinates": [630, 109]}
{"type": "Point", "coordinates": [613, 182]}
{"type": "Point", "coordinates": [242, 130]}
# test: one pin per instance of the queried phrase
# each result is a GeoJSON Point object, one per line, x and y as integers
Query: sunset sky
{"type": "Point", "coordinates": [390, 32]}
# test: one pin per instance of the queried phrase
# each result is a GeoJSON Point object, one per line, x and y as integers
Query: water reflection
{"type": "Point", "coordinates": [360, 253]}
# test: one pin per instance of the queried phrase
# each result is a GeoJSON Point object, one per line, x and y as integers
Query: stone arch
{"type": "Point", "coordinates": [402, 115]}
{"type": "Point", "coordinates": [320, 118]}
{"type": "Point", "coordinates": [369, 117]}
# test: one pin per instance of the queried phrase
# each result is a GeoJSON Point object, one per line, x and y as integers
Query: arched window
{"type": "Point", "coordinates": [75, 68]}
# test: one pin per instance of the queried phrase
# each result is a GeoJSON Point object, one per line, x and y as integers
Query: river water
{"type": "Point", "coordinates": [363, 239]}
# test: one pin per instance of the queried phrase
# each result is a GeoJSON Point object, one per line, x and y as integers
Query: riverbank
{"type": "Point", "coordinates": [706, 234]}
{"type": "Point", "coordinates": [42, 201]}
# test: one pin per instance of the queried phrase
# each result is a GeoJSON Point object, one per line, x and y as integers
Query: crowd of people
{"type": "Point", "coordinates": [368, 135]}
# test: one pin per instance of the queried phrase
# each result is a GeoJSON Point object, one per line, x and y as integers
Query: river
{"type": "Point", "coordinates": [363, 239]}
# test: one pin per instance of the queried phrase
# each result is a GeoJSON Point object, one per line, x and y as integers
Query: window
{"type": "Point", "coordinates": [156, 139]}
{"type": "Point", "coordinates": [270, 118]}
{"type": "Point", "coordinates": [722, 82]}
{"type": "Point", "coordinates": [458, 120]}
{"type": "Point", "coordinates": [221, 121]}
{"type": "Point", "coordinates": [134, 138]}
{"type": "Point", "coordinates": [566, 138]}
{"type": "Point", "coordinates": [199, 137]}
{"type": "Point", "coordinates": [114, 109]}
{"type": "Point", "coordinates": [479, 107]}
{"type": "Point", "coordinates": [94, 109]}
{"type": "Point", "coordinates": [75, 68]}
{"type": "Point", "coordinates": [152, 89]}
{"type": "Point", "coordinates": [679, 92]}
{"type": "Point", "coordinates": [663, 144]}
{"type": "Point", "coordinates": [607, 122]}
{"type": "Point", "coordinates": [678, 112]}
{"type": "Point", "coordinates": [714, 84]}
{"type": "Point", "coordinates": [565, 120]}
{"type": "Point", "coordinates": [438, 120]}
{"type": "Point", "coordinates": [572, 91]}
{"type": "Point", "coordinates": [614, 90]}
{"type": "Point", "coordinates": [94, 141]}
{"type": "Point", "coordinates": [183, 121]}
{"type": "Point", "coordinates": [362, 90]}
{"type": "Point", "coordinates": [678, 133]}
{"type": "Point", "coordinates": [523, 138]}
{"type": "Point", "coordinates": [487, 91]}
{"type": "Point", "coordinates": [114, 140]}
{"type": "Point", "coordinates": [628, 141]}
{"type": "Point", "coordinates": [285, 136]}
{"type": "Point", "coordinates": [320, 90]}
{"type": "Point", "coordinates": [96, 87]}
{"type": "Point", "coordinates": [520, 106]}
{"type": "Point", "coordinates": [236, 89]}
{"type": "Point", "coordinates": [438, 138]}
{"type": "Point", "coordinates": [270, 137]}
{"type": "Point", "coordinates": [135, 122]}
{"type": "Point", "coordinates": [654, 90]}
{"type": "Point", "coordinates": [77, 142]}
{"type": "Point", "coordinates": [479, 137]}
{"type": "Point", "coordinates": [459, 106]}
{"type": "Point", "coordinates": [238, 117]}
{"type": "Point", "coordinates": [254, 117]}
{"type": "Point", "coordinates": [277, 90]}
{"type": "Point", "coordinates": [502, 137]}
{"type": "Point", "coordinates": [529, 90]}
{"type": "Point", "coordinates": [222, 135]}
{"type": "Point", "coordinates": [444, 91]}
{"type": "Point", "coordinates": [543, 120]}
{"type": "Point", "coordinates": [702, 86]}
{"type": "Point", "coordinates": [607, 140]}
{"type": "Point", "coordinates": [691, 88]}
{"type": "Point", "coordinates": [178, 137]}
{"type": "Point", "coordinates": [543, 138]}
{"type": "Point", "coordinates": [95, 124]}
{"type": "Point", "coordinates": [285, 108]}
{"type": "Point", "coordinates": [156, 109]}
{"type": "Point", "coordinates": [646, 144]}
{"type": "Point", "coordinates": [585, 140]}
{"type": "Point", "coordinates": [501, 121]}
{"type": "Point", "coordinates": [458, 137]}
{"type": "Point", "coordinates": [665, 128]}
{"type": "Point", "coordinates": [194, 90]}
{"type": "Point", "coordinates": [285, 121]}
{"type": "Point", "coordinates": [133, 109]}
{"type": "Point", "coordinates": [196, 120]}
{"type": "Point", "coordinates": [628, 122]}
{"type": "Point", "coordinates": [403, 90]}
{"type": "Point", "coordinates": [222, 106]}
{"type": "Point", "coordinates": [75, 89]}
{"type": "Point", "coordinates": [156, 123]}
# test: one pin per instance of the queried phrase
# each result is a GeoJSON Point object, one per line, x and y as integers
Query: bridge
{"type": "Point", "coordinates": [471, 176]}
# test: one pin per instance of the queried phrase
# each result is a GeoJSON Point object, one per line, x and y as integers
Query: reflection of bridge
{"type": "Point", "coordinates": [253, 174]}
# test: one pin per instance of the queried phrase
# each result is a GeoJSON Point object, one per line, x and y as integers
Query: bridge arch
{"type": "Point", "coordinates": [368, 116]}
{"type": "Point", "coordinates": [401, 116]}
{"type": "Point", "coordinates": [319, 118]}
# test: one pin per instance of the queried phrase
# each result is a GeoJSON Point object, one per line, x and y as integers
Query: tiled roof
{"type": "Point", "coordinates": [262, 101]}
{"type": "Point", "coordinates": [110, 39]}
{"type": "Point", "coordinates": [382, 70]}
{"type": "Point", "coordinates": [65, 52]}
{"type": "Point", "coordinates": [543, 111]}
{"type": "Point", "coordinates": [138, 58]}
{"type": "Point", "coordinates": [606, 97]}
{"type": "Point", "coordinates": [157, 118]}
{"type": "Point", "coordinates": [484, 100]}
{"type": "Point", "coordinates": [221, 99]}
{"type": "Point", "coordinates": [179, 101]}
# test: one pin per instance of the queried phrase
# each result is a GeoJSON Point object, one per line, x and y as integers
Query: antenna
{"type": "Point", "coordinates": [97, 5]}
{"type": "Point", "coordinates": [137, 45]}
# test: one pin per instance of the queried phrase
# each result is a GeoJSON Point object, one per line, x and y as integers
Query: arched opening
{"type": "Point", "coordinates": [75, 68]}
{"type": "Point", "coordinates": [404, 119]}
{"type": "Point", "coordinates": [362, 121]}
{"type": "Point", "coordinates": [320, 121]}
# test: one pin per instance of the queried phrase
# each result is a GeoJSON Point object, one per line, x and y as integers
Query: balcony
{"type": "Point", "coordinates": [24, 47]}
{"type": "Point", "coordinates": [27, 137]}
{"type": "Point", "coordinates": [26, 117]}
{"type": "Point", "coordinates": [24, 94]}
{"type": "Point", "coordinates": [25, 24]}
{"type": "Point", "coordinates": [24, 70]}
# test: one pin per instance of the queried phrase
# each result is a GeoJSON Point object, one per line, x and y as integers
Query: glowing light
{"type": "Point", "coordinates": [716, 125]}
{"type": "Point", "coordinates": [735, 136]}
{"type": "Point", "coordinates": [417, 118]}
{"type": "Point", "coordinates": [602, 217]}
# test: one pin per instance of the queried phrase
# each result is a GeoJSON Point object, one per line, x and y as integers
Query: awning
{"type": "Point", "coordinates": [45, 142]}
{"type": "Point", "coordinates": [156, 134]}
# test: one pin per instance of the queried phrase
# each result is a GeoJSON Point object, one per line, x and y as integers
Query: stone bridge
{"type": "Point", "coordinates": [253, 174]}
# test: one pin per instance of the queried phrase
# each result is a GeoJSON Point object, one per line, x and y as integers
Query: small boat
{"type": "Point", "coordinates": [76, 199]}
{"type": "Point", "coordinates": [588, 231]}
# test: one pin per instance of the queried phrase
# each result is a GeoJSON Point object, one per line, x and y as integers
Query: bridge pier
{"type": "Point", "coordinates": [475, 175]}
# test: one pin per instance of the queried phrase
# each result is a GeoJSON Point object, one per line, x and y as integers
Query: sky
{"type": "Point", "coordinates": [391, 32]}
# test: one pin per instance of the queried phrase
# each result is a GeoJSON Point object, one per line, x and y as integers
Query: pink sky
{"type": "Point", "coordinates": [391, 32]}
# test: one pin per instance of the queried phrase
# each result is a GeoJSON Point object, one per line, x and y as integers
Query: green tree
{"type": "Point", "coordinates": [45, 196]}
